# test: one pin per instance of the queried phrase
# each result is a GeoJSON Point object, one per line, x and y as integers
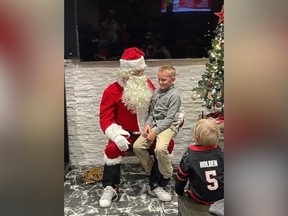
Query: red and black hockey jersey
{"type": "Point", "coordinates": [204, 168]}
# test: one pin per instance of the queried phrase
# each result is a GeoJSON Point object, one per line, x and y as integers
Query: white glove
{"type": "Point", "coordinates": [121, 142]}
{"type": "Point", "coordinates": [120, 131]}
{"type": "Point", "coordinates": [114, 130]}
{"type": "Point", "coordinates": [179, 118]}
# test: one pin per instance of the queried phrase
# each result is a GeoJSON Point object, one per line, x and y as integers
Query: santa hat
{"type": "Point", "coordinates": [132, 60]}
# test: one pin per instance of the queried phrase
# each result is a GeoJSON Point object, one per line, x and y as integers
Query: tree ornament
{"type": "Point", "coordinates": [209, 96]}
{"type": "Point", "coordinates": [220, 15]}
{"type": "Point", "coordinates": [210, 84]}
{"type": "Point", "coordinates": [195, 96]}
{"type": "Point", "coordinates": [209, 105]}
{"type": "Point", "coordinates": [218, 104]}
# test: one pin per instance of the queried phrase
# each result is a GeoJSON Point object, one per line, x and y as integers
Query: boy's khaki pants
{"type": "Point", "coordinates": [141, 146]}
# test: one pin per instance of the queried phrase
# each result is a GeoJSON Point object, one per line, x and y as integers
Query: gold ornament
{"type": "Point", "coordinates": [209, 96]}
{"type": "Point", "coordinates": [195, 96]}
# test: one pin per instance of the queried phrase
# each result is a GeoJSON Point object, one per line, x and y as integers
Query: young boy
{"type": "Point", "coordinates": [203, 165]}
{"type": "Point", "coordinates": [165, 103]}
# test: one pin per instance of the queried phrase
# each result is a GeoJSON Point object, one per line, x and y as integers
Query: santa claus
{"type": "Point", "coordinates": [123, 110]}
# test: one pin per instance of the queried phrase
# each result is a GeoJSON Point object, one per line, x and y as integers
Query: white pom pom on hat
{"type": "Point", "coordinates": [132, 60]}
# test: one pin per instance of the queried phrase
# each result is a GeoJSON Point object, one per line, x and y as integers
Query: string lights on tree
{"type": "Point", "coordinates": [211, 86]}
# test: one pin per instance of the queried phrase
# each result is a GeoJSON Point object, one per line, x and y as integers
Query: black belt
{"type": "Point", "coordinates": [134, 133]}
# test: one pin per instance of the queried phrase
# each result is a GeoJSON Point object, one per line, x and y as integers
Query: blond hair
{"type": "Point", "coordinates": [206, 132]}
{"type": "Point", "coordinates": [168, 69]}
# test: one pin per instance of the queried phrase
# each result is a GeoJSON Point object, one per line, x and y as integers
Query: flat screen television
{"type": "Point", "coordinates": [186, 5]}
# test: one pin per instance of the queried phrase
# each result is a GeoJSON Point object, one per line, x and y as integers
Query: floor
{"type": "Point", "coordinates": [81, 199]}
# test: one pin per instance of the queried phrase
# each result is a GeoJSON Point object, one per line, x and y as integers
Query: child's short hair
{"type": "Point", "coordinates": [170, 70]}
{"type": "Point", "coordinates": [206, 132]}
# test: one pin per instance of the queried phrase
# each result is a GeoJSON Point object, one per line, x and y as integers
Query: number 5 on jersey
{"type": "Point", "coordinates": [211, 178]}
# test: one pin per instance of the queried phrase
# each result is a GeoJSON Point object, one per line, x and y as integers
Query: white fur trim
{"type": "Point", "coordinates": [114, 161]}
{"type": "Point", "coordinates": [133, 65]}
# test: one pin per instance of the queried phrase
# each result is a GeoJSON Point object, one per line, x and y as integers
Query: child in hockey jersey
{"type": "Point", "coordinates": [202, 165]}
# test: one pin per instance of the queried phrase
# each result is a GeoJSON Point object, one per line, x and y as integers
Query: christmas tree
{"type": "Point", "coordinates": [211, 86]}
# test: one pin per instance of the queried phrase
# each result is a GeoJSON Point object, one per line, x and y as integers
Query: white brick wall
{"type": "Point", "coordinates": [85, 83]}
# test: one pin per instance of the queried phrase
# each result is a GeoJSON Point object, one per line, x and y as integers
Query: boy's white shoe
{"type": "Point", "coordinates": [107, 196]}
{"type": "Point", "coordinates": [161, 194]}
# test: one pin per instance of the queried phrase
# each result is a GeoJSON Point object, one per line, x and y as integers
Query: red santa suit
{"type": "Point", "coordinates": [116, 117]}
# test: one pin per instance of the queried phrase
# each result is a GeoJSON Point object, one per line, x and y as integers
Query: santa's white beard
{"type": "Point", "coordinates": [137, 94]}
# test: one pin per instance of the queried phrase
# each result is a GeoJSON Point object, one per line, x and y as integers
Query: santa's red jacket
{"type": "Point", "coordinates": [116, 119]}
{"type": "Point", "coordinates": [113, 110]}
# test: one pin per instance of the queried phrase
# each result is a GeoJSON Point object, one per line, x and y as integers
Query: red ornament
{"type": "Point", "coordinates": [220, 15]}
{"type": "Point", "coordinates": [218, 104]}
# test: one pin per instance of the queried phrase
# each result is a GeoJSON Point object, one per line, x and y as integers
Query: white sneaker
{"type": "Point", "coordinates": [107, 196]}
{"type": "Point", "coordinates": [161, 194]}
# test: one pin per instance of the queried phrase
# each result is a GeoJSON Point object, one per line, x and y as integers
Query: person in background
{"type": "Point", "coordinates": [110, 36]}
{"type": "Point", "coordinates": [109, 28]}
{"type": "Point", "coordinates": [202, 165]}
{"type": "Point", "coordinates": [161, 52]}
{"type": "Point", "coordinates": [149, 45]}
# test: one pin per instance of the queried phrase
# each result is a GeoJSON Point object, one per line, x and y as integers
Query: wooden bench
{"type": "Point", "coordinates": [188, 207]}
